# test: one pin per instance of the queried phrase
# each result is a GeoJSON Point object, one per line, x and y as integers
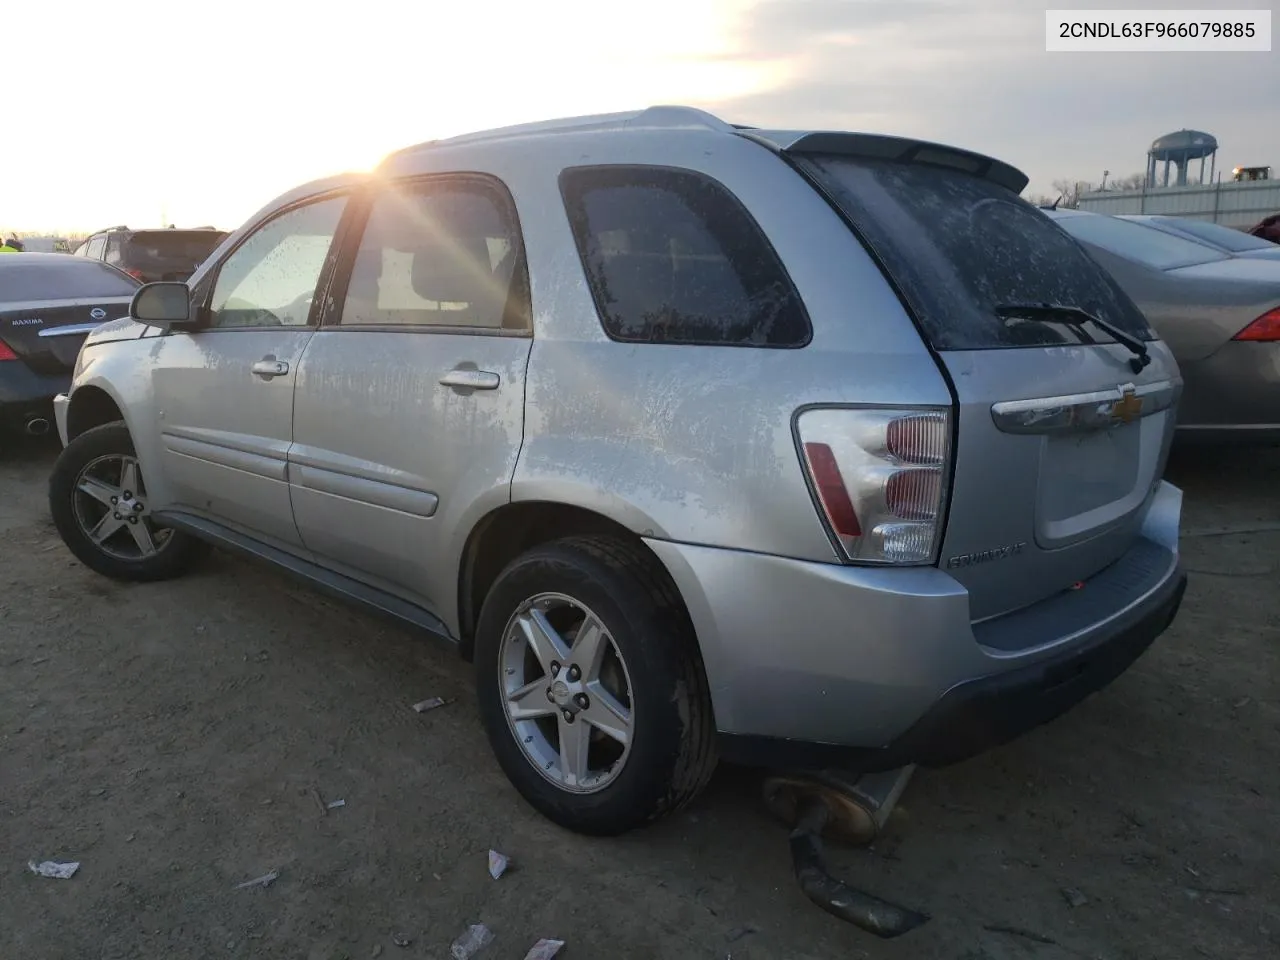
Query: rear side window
{"type": "Point", "coordinates": [962, 250]}
{"type": "Point", "coordinates": [671, 256]}
{"type": "Point", "coordinates": [1142, 244]}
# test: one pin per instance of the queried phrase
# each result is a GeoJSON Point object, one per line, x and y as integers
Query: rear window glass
{"type": "Point", "coordinates": [176, 247]}
{"type": "Point", "coordinates": [961, 248]}
{"type": "Point", "coordinates": [672, 256]}
{"type": "Point", "coordinates": [60, 278]}
{"type": "Point", "coordinates": [1236, 241]}
{"type": "Point", "coordinates": [1145, 245]}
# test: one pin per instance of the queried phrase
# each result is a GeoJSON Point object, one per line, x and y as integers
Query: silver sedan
{"type": "Point", "coordinates": [1219, 311]}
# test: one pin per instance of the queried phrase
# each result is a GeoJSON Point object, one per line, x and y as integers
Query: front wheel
{"type": "Point", "coordinates": [591, 688]}
{"type": "Point", "coordinates": [99, 503]}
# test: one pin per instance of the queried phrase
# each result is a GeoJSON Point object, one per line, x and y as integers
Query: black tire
{"type": "Point", "coordinates": [111, 439]}
{"type": "Point", "coordinates": [672, 751]}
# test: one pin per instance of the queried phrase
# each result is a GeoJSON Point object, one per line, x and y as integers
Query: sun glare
{"type": "Point", "coordinates": [203, 113]}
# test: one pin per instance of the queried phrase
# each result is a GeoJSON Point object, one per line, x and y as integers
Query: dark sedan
{"type": "Point", "coordinates": [48, 304]}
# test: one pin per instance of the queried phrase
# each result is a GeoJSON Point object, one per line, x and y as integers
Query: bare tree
{"type": "Point", "coordinates": [1134, 181]}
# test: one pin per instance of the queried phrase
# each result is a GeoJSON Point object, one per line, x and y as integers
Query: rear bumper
{"type": "Point", "coordinates": [26, 395]}
{"type": "Point", "coordinates": [816, 665]}
{"type": "Point", "coordinates": [979, 714]}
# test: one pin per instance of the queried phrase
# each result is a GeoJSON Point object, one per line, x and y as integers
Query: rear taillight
{"type": "Point", "coordinates": [136, 274]}
{"type": "Point", "coordinates": [6, 352]}
{"type": "Point", "coordinates": [1265, 329]}
{"type": "Point", "coordinates": [879, 479]}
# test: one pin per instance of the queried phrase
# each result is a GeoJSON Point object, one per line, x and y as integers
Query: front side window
{"type": "Point", "coordinates": [671, 256]}
{"type": "Point", "coordinates": [440, 253]}
{"type": "Point", "coordinates": [269, 280]}
{"type": "Point", "coordinates": [1145, 245]}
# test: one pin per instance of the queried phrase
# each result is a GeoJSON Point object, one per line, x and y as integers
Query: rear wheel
{"type": "Point", "coordinates": [99, 503]}
{"type": "Point", "coordinates": [590, 686]}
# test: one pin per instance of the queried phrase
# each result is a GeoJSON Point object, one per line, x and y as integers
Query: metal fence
{"type": "Point", "coordinates": [1239, 204]}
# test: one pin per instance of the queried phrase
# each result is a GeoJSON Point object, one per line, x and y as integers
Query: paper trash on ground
{"type": "Point", "coordinates": [57, 871]}
{"type": "Point", "coordinates": [476, 938]}
{"type": "Point", "coordinates": [544, 950]}
{"type": "Point", "coordinates": [431, 704]}
{"type": "Point", "coordinates": [497, 864]}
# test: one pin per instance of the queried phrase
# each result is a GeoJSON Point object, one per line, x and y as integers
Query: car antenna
{"type": "Point", "coordinates": [1054, 205]}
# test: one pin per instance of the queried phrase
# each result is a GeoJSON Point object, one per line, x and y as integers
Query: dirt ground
{"type": "Point", "coordinates": [170, 737]}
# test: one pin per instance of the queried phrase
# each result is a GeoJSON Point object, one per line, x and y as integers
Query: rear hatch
{"type": "Point", "coordinates": [48, 308]}
{"type": "Point", "coordinates": [1060, 438]}
{"type": "Point", "coordinates": [152, 255]}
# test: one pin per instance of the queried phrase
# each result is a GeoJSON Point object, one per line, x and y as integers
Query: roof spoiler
{"type": "Point", "coordinates": [900, 149]}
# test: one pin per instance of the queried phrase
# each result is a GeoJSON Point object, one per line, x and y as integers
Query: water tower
{"type": "Point", "coordinates": [1180, 149]}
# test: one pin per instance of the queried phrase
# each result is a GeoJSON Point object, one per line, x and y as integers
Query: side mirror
{"type": "Point", "coordinates": [166, 305]}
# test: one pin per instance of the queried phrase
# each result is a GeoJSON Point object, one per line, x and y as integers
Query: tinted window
{"type": "Point", "coordinates": [96, 246]}
{"type": "Point", "coordinates": [270, 278]}
{"type": "Point", "coordinates": [61, 278]}
{"type": "Point", "coordinates": [442, 253]}
{"type": "Point", "coordinates": [178, 251]}
{"type": "Point", "coordinates": [1145, 245]}
{"type": "Point", "coordinates": [960, 248]}
{"type": "Point", "coordinates": [1235, 240]}
{"type": "Point", "coordinates": [672, 257]}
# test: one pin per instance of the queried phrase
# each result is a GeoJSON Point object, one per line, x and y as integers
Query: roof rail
{"type": "Point", "coordinates": [655, 117]}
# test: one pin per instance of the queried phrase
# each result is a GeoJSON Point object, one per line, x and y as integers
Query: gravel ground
{"type": "Point", "coordinates": [178, 739]}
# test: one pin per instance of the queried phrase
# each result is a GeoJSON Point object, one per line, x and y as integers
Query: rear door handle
{"type": "Point", "coordinates": [269, 367]}
{"type": "Point", "coordinates": [471, 379]}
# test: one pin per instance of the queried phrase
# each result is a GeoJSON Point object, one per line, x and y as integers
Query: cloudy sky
{"type": "Point", "coordinates": [200, 112]}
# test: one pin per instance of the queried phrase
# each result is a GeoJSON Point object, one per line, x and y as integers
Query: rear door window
{"type": "Point", "coordinates": [962, 250]}
{"type": "Point", "coordinates": [671, 256]}
{"type": "Point", "coordinates": [96, 246]}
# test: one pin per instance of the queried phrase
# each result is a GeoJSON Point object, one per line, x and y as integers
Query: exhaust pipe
{"type": "Point", "coordinates": [37, 427]}
{"type": "Point", "coordinates": [854, 809]}
{"type": "Point", "coordinates": [884, 919]}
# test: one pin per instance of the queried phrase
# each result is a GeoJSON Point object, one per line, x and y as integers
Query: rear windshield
{"type": "Point", "coordinates": [171, 248]}
{"type": "Point", "coordinates": [1237, 241]}
{"type": "Point", "coordinates": [963, 250]}
{"type": "Point", "coordinates": [1142, 244]}
{"type": "Point", "coordinates": [60, 278]}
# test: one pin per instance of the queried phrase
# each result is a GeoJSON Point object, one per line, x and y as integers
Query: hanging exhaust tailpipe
{"type": "Point", "coordinates": [872, 914]}
{"type": "Point", "coordinates": [854, 809]}
{"type": "Point", "coordinates": [37, 427]}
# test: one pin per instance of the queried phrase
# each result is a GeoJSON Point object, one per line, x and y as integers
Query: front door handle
{"type": "Point", "coordinates": [471, 379]}
{"type": "Point", "coordinates": [269, 367]}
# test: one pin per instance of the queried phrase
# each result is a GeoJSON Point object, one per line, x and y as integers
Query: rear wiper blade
{"type": "Point", "coordinates": [1074, 316]}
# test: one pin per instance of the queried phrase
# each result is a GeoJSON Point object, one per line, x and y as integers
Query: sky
{"type": "Point", "coordinates": [150, 113]}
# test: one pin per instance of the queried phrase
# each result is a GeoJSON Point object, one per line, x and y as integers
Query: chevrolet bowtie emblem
{"type": "Point", "coordinates": [1128, 408]}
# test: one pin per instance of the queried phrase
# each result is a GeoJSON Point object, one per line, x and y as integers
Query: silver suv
{"type": "Point", "coordinates": [794, 449]}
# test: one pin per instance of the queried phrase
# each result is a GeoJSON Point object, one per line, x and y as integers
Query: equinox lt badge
{"type": "Point", "coordinates": [985, 556]}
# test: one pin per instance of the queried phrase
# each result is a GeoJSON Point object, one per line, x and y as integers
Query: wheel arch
{"type": "Point", "coordinates": [92, 405]}
{"type": "Point", "coordinates": [506, 532]}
